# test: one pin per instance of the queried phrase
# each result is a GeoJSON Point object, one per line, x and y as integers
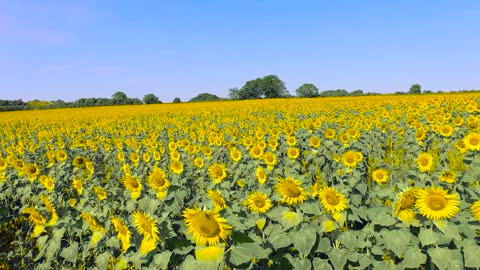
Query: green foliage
{"type": "Point", "coordinates": [204, 97]}
{"type": "Point", "coordinates": [307, 90]}
{"type": "Point", "coordinates": [176, 100]}
{"type": "Point", "coordinates": [151, 99]}
{"type": "Point", "coordinates": [415, 89]}
{"type": "Point", "coordinates": [268, 87]}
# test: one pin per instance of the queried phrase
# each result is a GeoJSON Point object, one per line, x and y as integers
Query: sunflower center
{"type": "Point", "coordinates": [31, 169]}
{"type": "Point", "coordinates": [132, 182]}
{"type": "Point", "coordinates": [292, 190]}
{"type": "Point", "coordinates": [474, 141]}
{"type": "Point", "coordinates": [158, 180]}
{"type": "Point", "coordinates": [436, 202]}
{"type": "Point", "coordinates": [332, 198]}
{"type": "Point", "coordinates": [424, 162]}
{"type": "Point", "coordinates": [350, 159]}
{"type": "Point", "coordinates": [259, 202]}
{"type": "Point", "coordinates": [2, 163]}
{"type": "Point", "coordinates": [217, 172]}
{"type": "Point", "coordinates": [379, 175]}
{"type": "Point", "coordinates": [209, 226]}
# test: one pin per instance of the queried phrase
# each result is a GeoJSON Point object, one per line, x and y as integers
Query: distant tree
{"type": "Point", "coordinates": [334, 93]}
{"type": "Point", "coordinates": [251, 90]}
{"type": "Point", "coordinates": [307, 90]}
{"type": "Point", "coordinates": [415, 89]}
{"type": "Point", "coordinates": [150, 99]}
{"type": "Point", "coordinates": [358, 92]}
{"type": "Point", "coordinates": [204, 97]}
{"type": "Point", "coordinates": [176, 100]}
{"type": "Point", "coordinates": [427, 91]}
{"type": "Point", "coordinates": [273, 87]}
{"type": "Point", "coordinates": [234, 93]}
{"type": "Point", "coordinates": [133, 101]}
{"type": "Point", "coordinates": [119, 98]}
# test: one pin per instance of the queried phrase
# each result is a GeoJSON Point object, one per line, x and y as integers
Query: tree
{"type": "Point", "coordinates": [358, 92]}
{"type": "Point", "coordinates": [119, 98]}
{"type": "Point", "coordinates": [415, 89]}
{"type": "Point", "coordinates": [204, 97]}
{"type": "Point", "coordinates": [176, 100]}
{"type": "Point", "coordinates": [150, 99]}
{"type": "Point", "coordinates": [251, 90]}
{"type": "Point", "coordinates": [272, 87]}
{"type": "Point", "coordinates": [234, 93]}
{"type": "Point", "coordinates": [307, 90]}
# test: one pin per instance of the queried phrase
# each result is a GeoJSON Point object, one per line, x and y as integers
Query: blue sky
{"type": "Point", "coordinates": [71, 49]}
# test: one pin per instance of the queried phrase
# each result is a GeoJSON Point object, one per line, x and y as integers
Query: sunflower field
{"type": "Point", "coordinates": [380, 182]}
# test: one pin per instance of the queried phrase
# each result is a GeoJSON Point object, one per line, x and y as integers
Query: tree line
{"type": "Point", "coordinates": [270, 86]}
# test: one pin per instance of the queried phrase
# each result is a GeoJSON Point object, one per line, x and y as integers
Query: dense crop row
{"type": "Point", "coordinates": [385, 181]}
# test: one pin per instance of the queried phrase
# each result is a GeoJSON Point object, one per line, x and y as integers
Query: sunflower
{"type": "Point", "coordinates": [207, 151]}
{"type": "Point", "coordinates": [135, 158]}
{"type": "Point", "coordinates": [176, 166]}
{"type": "Point", "coordinates": [349, 159]}
{"type": "Point", "coordinates": [235, 154]}
{"type": "Point", "coordinates": [256, 152]}
{"type": "Point", "coordinates": [425, 162]}
{"type": "Point", "coordinates": [146, 226]}
{"type": "Point", "coordinates": [475, 209]}
{"type": "Point", "coordinates": [93, 223]}
{"type": "Point", "coordinates": [157, 180]}
{"type": "Point", "coordinates": [446, 130]}
{"type": "Point", "coordinates": [47, 181]}
{"type": "Point", "coordinates": [447, 177]}
{"type": "Point", "coordinates": [291, 141]}
{"type": "Point", "coordinates": [270, 159]}
{"type": "Point", "coordinates": [314, 142]}
{"type": "Point", "coordinates": [175, 155]}
{"type": "Point", "coordinates": [100, 192]}
{"type": "Point", "coordinates": [329, 133]}
{"type": "Point", "coordinates": [217, 172]}
{"type": "Point", "coordinates": [293, 153]}
{"type": "Point", "coordinates": [332, 200]}
{"type": "Point", "coordinates": [259, 202]}
{"type": "Point", "coordinates": [207, 227]}
{"type": "Point", "coordinates": [121, 156]}
{"type": "Point", "coordinates": [472, 141]}
{"type": "Point", "coordinates": [291, 191]}
{"type": "Point", "coordinates": [436, 203]}
{"type": "Point", "coordinates": [261, 176]}
{"type": "Point", "coordinates": [273, 143]}
{"type": "Point", "coordinates": [60, 155]}
{"type": "Point", "coordinates": [198, 162]}
{"type": "Point", "coordinates": [329, 226]}
{"type": "Point", "coordinates": [50, 208]}
{"type": "Point", "coordinates": [123, 233]}
{"type": "Point", "coordinates": [3, 165]}
{"type": "Point", "coordinates": [217, 199]}
{"type": "Point", "coordinates": [133, 185]}
{"type": "Point", "coordinates": [404, 206]}
{"type": "Point", "coordinates": [79, 162]}
{"type": "Point", "coordinates": [32, 171]}
{"type": "Point", "coordinates": [380, 176]}
{"type": "Point", "coordinates": [36, 219]}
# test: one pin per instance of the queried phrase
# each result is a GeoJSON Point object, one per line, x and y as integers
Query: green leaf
{"type": "Point", "coordinates": [279, 240]}
{"type": "Point", "coordinates": [301, 264]}
{"type": "Point", "coordinates": [102, 260]}
{"type": "Point", "coordinates": [240, 237]}
{"type": "Point", "coordinates": [440, 257]}
{"type": "Point", "coordinates": [189, 263]}
{"type": "Point", "coordinates": [324, 245]}
{"type": "Point", "coordinates": [397, 241]}
{"type": "Point", "coordinates": [362, 188]}
{"type": "Point", "coordinates": [243, 253]}
{"type": "Point", "coordinates": [312, 208]}
{"type": "Point", "coordinates": [321, 264]}
{"type": "Point", "coordinates": [338, 258]}
{"type": "Point", "coordinates": [161, 260]}
{"type": "Point", "coordinates": [413, 258]}
{"type": "Point", "coordinates": [471, 255]}
{"type": "Point", "coordinates": [348, 239]}
{"type": "Point", "coordinates": [427, 237]}
{"type": "Point", "coordinates": [304, 239]}
{"type": "Point", "coordinates": [70, 253]}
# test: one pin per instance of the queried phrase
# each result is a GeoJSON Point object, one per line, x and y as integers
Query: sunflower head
{"type": "Point", "coordinates": [206, 227]}
{"type": "Point", "coordinates": [146, 225]}
{"type": "Point", "coordinates": [217, 199]}
{"type": "Point", "coordinates": [79, 162]}
{"type": "Point", "coordinates": [256, 152]}
{"type": "Point", "coordinates": [31, 170]}
{"type": "Point", "coordinates": [448, 177]}
{"type": "Point", "coordinates": [380, 176]}
{"type": "Point", "coordinates": [198, 162]}
{"type": "Point", "coordinates": [436, 203]}
{"type": "Point", "coordinates": [446, 130]}
{"type": "Point", "coordinates": [350, 159]}
{"type": "Point", "coordinates": [261, 175]}
{"type": "Point", "coordinates": [47, 181]}
{"type": "Point", "coordinates": [60, 155]}
{"type": "Point", "coordinates": [293, 153]}
{"type": "Point", "coordinates": [291, 191]}
{"type": "Point", "coordinates": [176, 166]}
{"type": "Point", "coordinates": [314, 142]}
{"type": "Point", "coordinates": [329, 133]}
{"type": "Point", "coordinates": [259, 202]}
{"type": "Point", "coordinates": [425, 162]}
{"type": "Point", "coordinates": [133, 185]}
{"type": "Point", "coordinates": [235, 154]}
{"type": "Point", "coordinates": [217, 172]}
{"type": "Point", "coordinates": [475, 210]}
{"type": "Point", "coordinates": [157, 180]}
{"type": "Point", "coordinates": [472, 141]}
{"type": "Point", "coordinates": [332, 200]}
{"type": "Point", "coordinates": [270, 159]}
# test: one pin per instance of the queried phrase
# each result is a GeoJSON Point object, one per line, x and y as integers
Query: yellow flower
{"type": "Point", "coordinates": [472, 141]}
{"type": "Point", "coordinates": [350, 159]}
{"type": "Point", "coordinates": [206, 227]}
{"type": "Point", "coordinates": [332, 200]}
{"type": "Point", "coordinates": [261, 176]}
{"type": "Point", "coordinates": [123, 233]}
{"type": "Point", "coordinates": [436, 203]}
{"type": "Point", "coordinates": [198, 162]}
{"type": "Point", "coordinates": [425, 162]}
{"type": "Point", "coordinates": [157, 180]}
{"type": "Point", "coordinates": [447, 177]}
{"type": "Point", "coordinates": [293, 153]}
{"type": "Point", "coordinates": [329, 133]}
{"type": "Point", "coordinates": [475, 209]}
{"type": "Point", "coordinates": [380, 176]}
{"type": "Point", "coordinates": [256, 152]}
{"type": "Point", "coordinates": [315, 142]}
{"type": "Point", "coordinates": [100, 192]}
{"type": "Point", "coordinates": [77, 185]}
{"type": "Point", "coordinates": [47, 181]}
{"type": "Point", "coordinates": [133, 185]}
{"type": "Point", "coordinates": [270, 159]}
{"type": "Point", "coordinates": [329, 226]}
{"type": "Point", "coordinates": [291, 141]}
{"type": "Point", "coordinates": [235, 154]}
{"type": "Point", "coordinates": [50, 208]}
{"type": "Point", "coordinates": [446, 130]}
{"type": "Point", "coordinates": [60, 155]}
{"type": "Point", "coordinates": [79, 162]}
{"type": "Point", "coordinates": [176, 166]}
{"type": "Point", "coordinates": [291, 191]}
{"type": "Point", "coordinates": [217, 172]}
{"type": "Point", "coordinates": [217, 199]}
{"type": "Point", "coordinates": [259, 202]}
{"type": "Point", "coordinates": [93, 223]}
{"type": "Point", "coordinates": [31, 170]}
{"type": "Point", "coordinates": [36, 218]}
{"type": "Point", "coordinates": [3, 165]}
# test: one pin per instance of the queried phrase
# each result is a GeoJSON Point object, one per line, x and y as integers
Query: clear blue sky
{"type": "Point", "coordinates": [71, 49]}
